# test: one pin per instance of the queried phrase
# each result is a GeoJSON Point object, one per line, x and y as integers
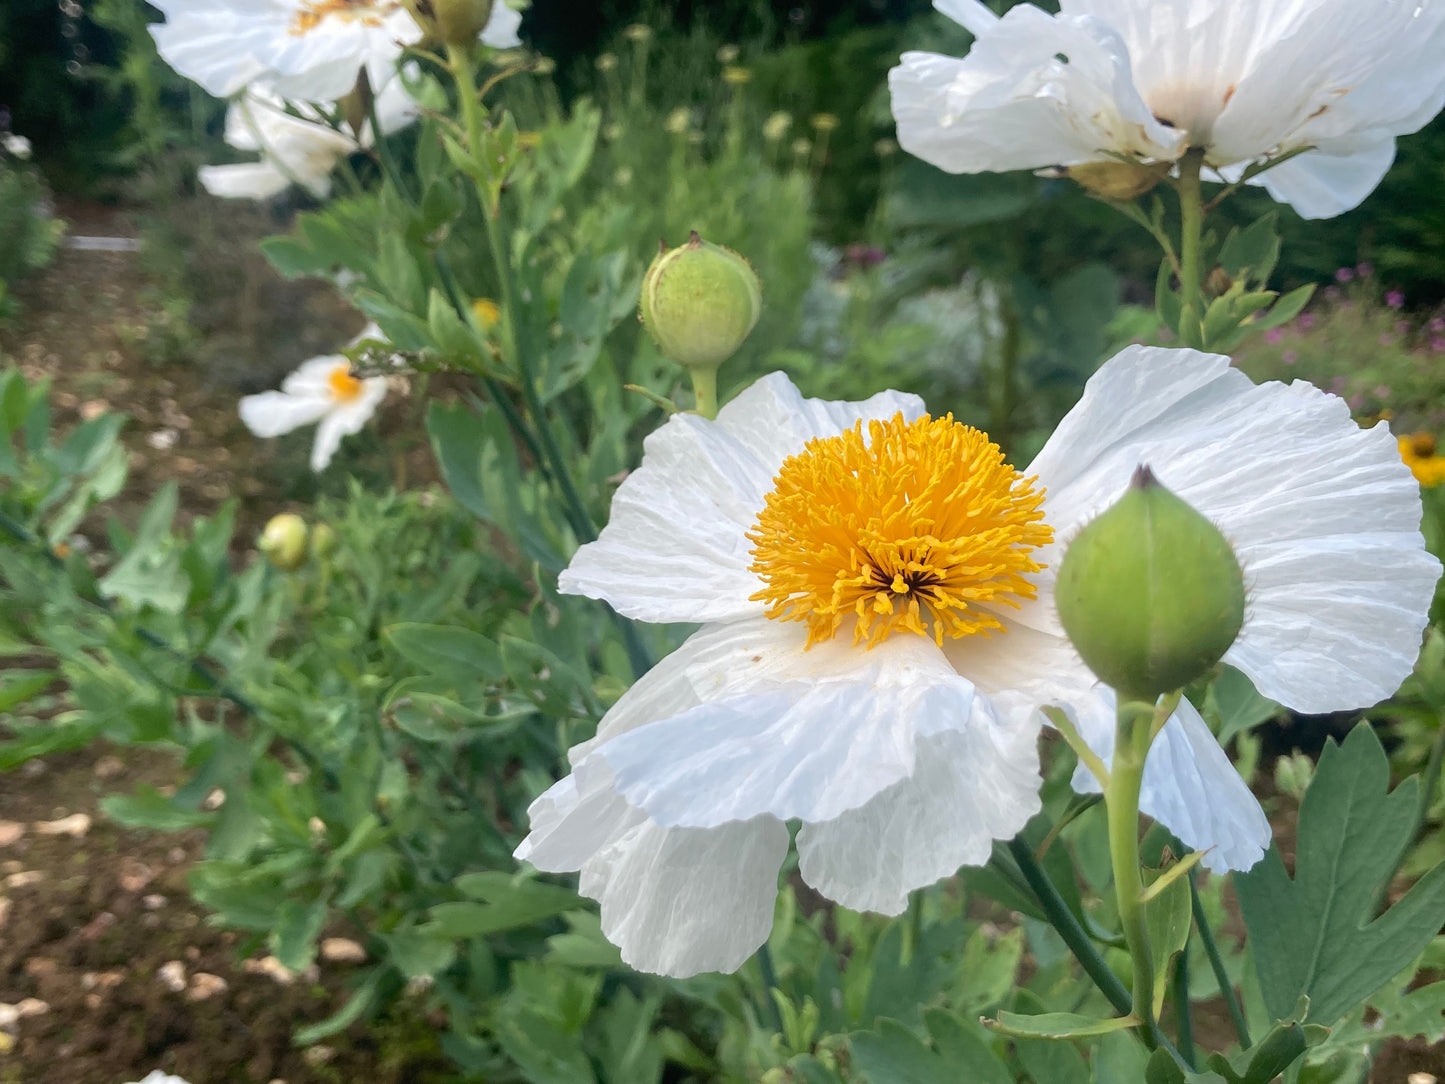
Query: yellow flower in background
{"type": "Point", "coordinates": [1418, 452]}
{"type": "Point", "coordinates": [776, 126]}
{"type": "Point", "coordinates": [487, 312]}
{"type": "Point", "coordinates": [825, 122]}
{"type": "Point", "coordinates": [736, 75]}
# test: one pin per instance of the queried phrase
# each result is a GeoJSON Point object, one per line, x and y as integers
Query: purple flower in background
{"type": "Point", "coordinates": [1273, 335]}
{"type": "Point", "coordinates": [1306, 321]}
{"type": "Point", "coordinates": [1365, 270]}
{"type": "Point", "coordinates": [1437, 325]}
{"type": "Point", "coordinates": [1344, 274]}
{"type": "Point", "coordinates": [1382, 391]}
{"type": "Point", "coordinates": [1437, 344]}
{"type": "Point", "coordinates": [1387, 339]}
{"type": "Point", "coordinates": [1290, 357]}
{"type": "Point", "coordinates": [1356, 401]}
{"type": "Point", "coordinates": [1332, 293]}
{"type": "Point", "coordinates": [1402, 327]}
{"type": "Point", "coordinates": [1337, 385]}
{"type": "Point", "coordinates": [1395, 299]}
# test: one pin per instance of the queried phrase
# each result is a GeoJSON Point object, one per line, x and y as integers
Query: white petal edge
{"type": "Point", "coordinates": [273, 413]}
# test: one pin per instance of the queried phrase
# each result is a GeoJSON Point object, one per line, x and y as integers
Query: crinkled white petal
{"type": "Point", "coordinates": [501, 29]}
{"type": "Point", "coordinates": [969, 787]}
{"type": "Point", "coordinates": [345, 419]}
{"type": "Point", "coordinates": [1190, 786]}
{"type": "Point", "coordinates": [676, 901]}
{"type": "Point", "coordinates": [313, 376]}
{"type": "Point", "coordinates": [1035, 90]}
{"type": "Point", "coordinates": [1324, 517]}
{"type": "Point", "coordinates": [272, 413]}
{"type": "Point", "coordinates": [675, 547]}
{"type": "Point", "coordinates": [789, 732]}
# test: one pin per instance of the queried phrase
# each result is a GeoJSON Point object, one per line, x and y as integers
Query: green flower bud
{"type": "Point", "coordinates": [451, 22]}
{"type": "Point", "coordinates": [1150, 593]}
{"type": "Point", "coordinates": [699, 302]}
{"type": "Point", "coordinates": [284, 541]}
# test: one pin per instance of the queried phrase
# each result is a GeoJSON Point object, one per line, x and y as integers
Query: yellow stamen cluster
{"type": "Point", "coordinates": [1419, 453]}
{"type": "Point", "coordinates": [312, 13]}
{"type": "Point", "coordinates": [910, 526]}
{"type": "Point", "coordinates": [345, 388]}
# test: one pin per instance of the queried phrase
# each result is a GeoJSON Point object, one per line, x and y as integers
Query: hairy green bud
{"type": "Point", "coordinates": [323, 541]}
{"type": "Point", "coordinates": [1150, 593]}
{"type": "Point", "coordinates": [451, 22]}
{"type": "Point", "coordinates": [699, 302]}
{"type": "Point", "coordinates": [284, 541]}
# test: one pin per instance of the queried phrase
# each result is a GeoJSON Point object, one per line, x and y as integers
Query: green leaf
{"type": "Point", "coordinates": [1166, 301]}
{"type": "Point", "coordinates": [895, 1055]}
{"type": "Point", "coordinates": [1059, 1025]}
{"type": "Point", "coordinates": [1238, 704]}
{"type": "Point", "coordinates": [1254, 249]}
{"type": "Point", "coordinates": [505, 902]}
{"type": "Point", "coordinates": [1168, 918]}
{"type": "Point", "coordinates": [1282, 1047]}
{"type": "Point", "coordinates": [19, 686]}
{"type": "Point", "coordinates": [416, 955]}
{"type": "Point", "coordinates": [298, 925]}
{"type": "Point", "coordinates": [1119, 1059]}
{"type": "Point", "coordinates": [544, 1052]}
{"type": "Point", "coordinates": [149, 808]}
{"type": "Point", "coordinates": [1316, 935]}
{"type": "Point", "coordinates": [455, 654]}
{"type": "Point", "coordinates": [357, 1004]}
{"type": "Point", "coordinates": [1285, 309]}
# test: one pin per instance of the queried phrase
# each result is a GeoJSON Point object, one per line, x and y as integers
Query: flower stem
{"type": "Point", "coordinates": [1121, 799]}
{"type": "Point", "coordinates": [1068, 927]}
{"type": "Point", "coordinates": [1216, 964]}
{"type": "Point", "coordinates": [704, 389]}
{"type": "Point", "coordinates": [1191, 209]}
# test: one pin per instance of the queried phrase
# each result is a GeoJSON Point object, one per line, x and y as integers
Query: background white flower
{"type": "Point", "coordinates": [158, 1077]}
{"type": "Point", "coordinates": [322, 392]}
{"type": "Point", "coordinates": [16, 145]}
{"type": "Point", "coordinates": [1148, 79]}
{"type": "Point", "coordinates": [309, 50]}
{"type": "Point", "coordinates": [906, 760]}
{"type": "Point", "coordinates": [294, 149]}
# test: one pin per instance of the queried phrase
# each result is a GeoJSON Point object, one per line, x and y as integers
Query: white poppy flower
{"type": "Point", "coordinates": [307, 50]}
{"type": "Point", "coordinates": [322, 392]}
{"type": "Point", "coordinates": [1148, 79]}
{"type": "Point", "coordinates": [16, 145]}
{"type": "Point", "coordinates": [159, 1077]}
{"type": "Point", "coordinates": [858, 526]}
{"type": "Point", "coordinates": [299, 149]}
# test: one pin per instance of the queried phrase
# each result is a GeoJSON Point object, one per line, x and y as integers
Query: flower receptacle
{"type": "Point", "coordinates": [1150, 593]}
{"type": "Point", "coordinates": [700, 301]}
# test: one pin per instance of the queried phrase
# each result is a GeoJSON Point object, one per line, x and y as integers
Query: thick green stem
{"type": "Point", "coordinates": [704, 390]}
{"type": "Point", "coordinates": [1121, 799]}
{"type": "Point", "coordinates": [1183, 1018]}
{"type": "Point", "coordinates": [1191, 209]}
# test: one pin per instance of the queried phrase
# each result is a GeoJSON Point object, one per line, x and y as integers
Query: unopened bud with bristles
{"type": "Point", "coordinates": [1150, 593]}
{"type": "Point", "coordinates": [699, 302]}
{"type": "Point", "coordinates": [451, 22]}
{"type": "Point", "coordinates": [284, 541]}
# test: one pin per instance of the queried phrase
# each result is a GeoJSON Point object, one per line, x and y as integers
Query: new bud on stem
{"type": "Point", "coordinates": [1150, 593]}
{"type": "Point", "coordinates": [699, 302]}
{"type": "Point", "coordinates": [451, 22]}
{"type": "Point", "coordinates": [284, 541]}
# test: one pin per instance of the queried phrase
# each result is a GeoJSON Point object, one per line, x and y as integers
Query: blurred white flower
{"type": "Point", "coordinates": [299, 149]}
{"type": "Point", "coordinates": [159, 1077]}
{"type": "Point", "coordinates": [307, 50]}
{"type": "Point", "coordinates": [1149, 79]}
{"type": "Point", "coordinates": [324, 393]}
{"type": "Point", "coordinates": [839, 555]}
{"type": "Point", "coordinates": [16, 145]}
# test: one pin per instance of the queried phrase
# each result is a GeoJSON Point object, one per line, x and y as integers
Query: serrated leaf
{"type": "Point", "coordinates": [893, 1054]}
{"type": "Point", "coordinates": [1316, 935]}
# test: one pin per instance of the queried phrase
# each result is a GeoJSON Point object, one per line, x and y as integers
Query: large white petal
{"type": "Point", "coordinates": [1190, 786]}
{"type": "Point", "coordinates": [1319, 185]}
{"type": "Point", "coordinates": [245, 180]}
{"type": "Point", "coordinates": [1035, 90]}
{"type": "Point", "coordinates": [789, 732]}
{"type": "Point", "coordinates": [501, 29]}
{"type": "Point", "coordinates": [1324, 517]}
{"type": "Point", "coordinates": [275, 412]}
{"type": "Point", "coordinates": [676, 901]}
{"type": "Point", "coordinates": [675, 546]}
{"type": "Point", "coordinates": [970, 787]}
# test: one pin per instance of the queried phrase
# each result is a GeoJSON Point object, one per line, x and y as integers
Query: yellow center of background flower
{"type": "Point", "coordinates": [1419, 453]}
{"type": "Point", "coordinates": [311, 14]}
{"type": "Point", "coordinates": [911, 527]}
{"type": "Point", "coordinates": [344, 387]}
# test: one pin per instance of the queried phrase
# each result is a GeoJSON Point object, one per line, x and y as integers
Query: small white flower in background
{"type": "Point", "coordinates": [309, 50]}
{"type": "Point", "coordinates": [15, 145]}
{"type": "Point", "coordinates": [322, 392]}
{"type": "Point", "coordinates": [159, 1077]}
{"type": "Point", "coordinates": [1147, 79]}
{"type": "Point", "coordinates": [294, 149]}
{"type": "Point", "coordinates": [843, 569]}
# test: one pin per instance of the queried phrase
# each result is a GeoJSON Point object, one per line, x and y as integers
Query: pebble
{"type": "Point", "coordinates": [318, 1055]}
{"type": "Point", "coordinates": [269, 965]}
{"type": "Point", "coordinates": [342, 950]}
{"type": "Point", "coordinates": [4, 911]}
{"type": "Point", "coordinates": [204, 986]}
{"type": "Point", "coordinates": [214, 800]}
{"type": "Point", "coordinates": [153, 902]}
{"type": "Point", "coordinates": [76, 826]}
{"type": "Point", "coordinates": [1420, 1078]}
{"type": "Point", "coordinates": [11, 865]}
{"type": "Point", "coordinates": [24, 878]}
{"type": "Point", "coordinates": [101, 980]}
{"type": "Point", "coordinates": [10, 831]}
{"type": "Point", "coordinates": [176, 855]}
{"type": "Point", "coordinates": [172, 976]}
{"type": "Point", "coordinates": [135, 875]}
{"type": "Point", "coordinates": [108, 767]}
{"type": "Point", "coordinates": [12, 1014]}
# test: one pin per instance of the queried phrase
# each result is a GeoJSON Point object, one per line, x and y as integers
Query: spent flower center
{"type": "Point", "coordinates": [911, 525]}
{"type": "Point", "coordinates": [313, 13]}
